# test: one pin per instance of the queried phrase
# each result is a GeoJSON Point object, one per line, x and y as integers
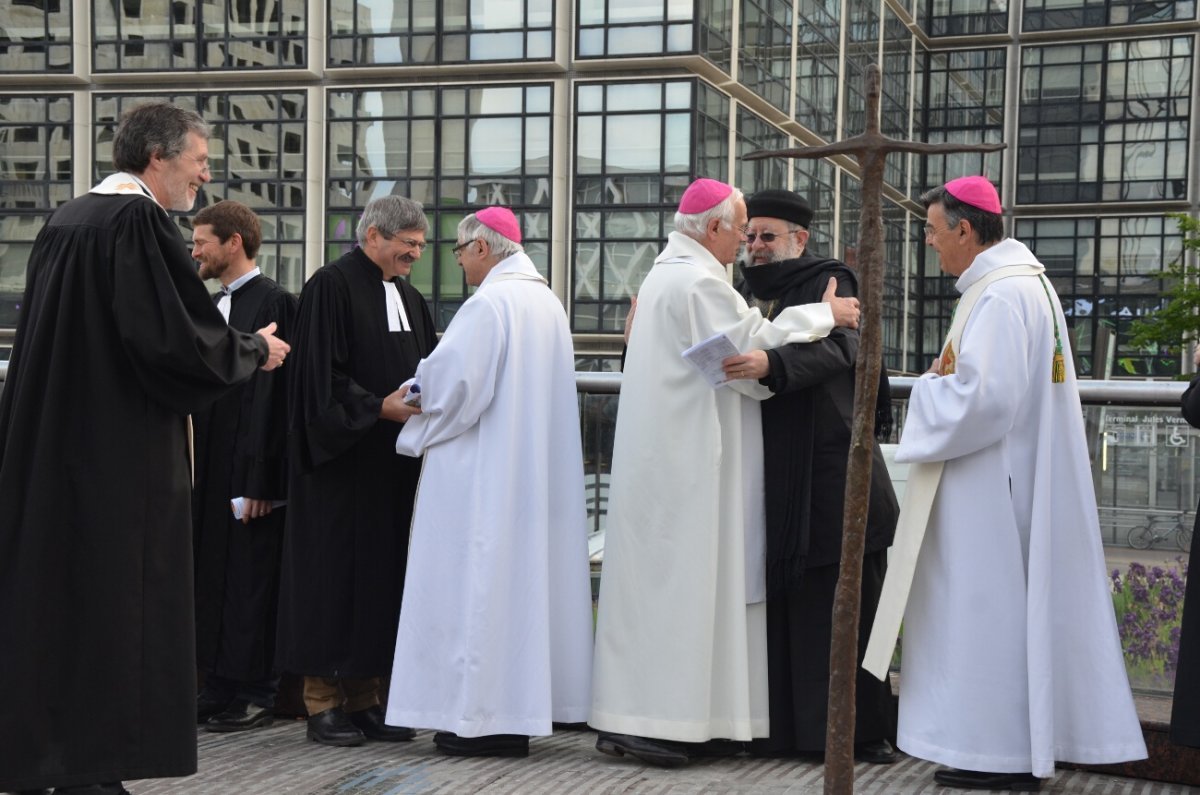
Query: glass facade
{"type": "Point", "coordinates": [35, 37]}
{"type": "Point", "coordinates": [765, 59]}
{"type": "Point", "coordinates": [755, 134]}
{"type": "Point", "coordinates": [965, 17]}
{"type": "Point", "coordinates": [895, 115]}
{"type": "Point", "coordinates": [372, 32]}
{"type": "Point", "coordinates": [818, 42]}
{"type": "Point", "coordinates": [631, 164]}
{"type": "Point", "coordinates": [1104, 270]}
{"type": "Point", "coordinates": [1105, 121]}
{"type": "Point", "coordinates": [622, 28]}
{"type": "Point", "coordinates": [1068, 14]}
{"type": "Point", "coordinates": [36, 173]}
{"type": "Point", "coordinates": [963, 103]}
{"type": "Point", "coordinates": [206, 34]}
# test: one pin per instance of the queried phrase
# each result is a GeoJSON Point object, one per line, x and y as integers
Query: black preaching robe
{"type": "Point", "coordinates": [1185, 710]}
{"type": "Point", "coordinates": [806, 443]}
{"type": "Point", "coordinates": [350, 495]}
{"type": "Point", "coordinates": [240, 452]}
{"type": "Point", "coordinates": [117, 342]}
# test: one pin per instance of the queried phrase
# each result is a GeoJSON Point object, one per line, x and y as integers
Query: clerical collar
{"type": "Point", "coordinates": [124, 183]}
{"type": "Point", "coordinates": [239, 281]}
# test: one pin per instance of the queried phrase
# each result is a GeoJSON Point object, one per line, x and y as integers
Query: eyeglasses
{"type": "Point", "coordinates": [457, 249]}
{"type": "Point", "coordinates": [200, 161]}
{"type": "Point", "coordinates": [408, 241]}
{"type": "Point", "coordinates": [767, 237]}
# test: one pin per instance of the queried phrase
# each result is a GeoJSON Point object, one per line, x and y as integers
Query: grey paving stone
{"type": "Point", "coordinates": [281, 760]}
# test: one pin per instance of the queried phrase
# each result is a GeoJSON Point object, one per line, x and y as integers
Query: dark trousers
{"type": "Point", "coordinates": [799, 633]}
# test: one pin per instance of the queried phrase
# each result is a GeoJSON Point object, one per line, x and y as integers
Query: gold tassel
{"type": "Point", "coordinates": [1058, 371]}
{"type": "Point", "coordinates": [1058, 368]}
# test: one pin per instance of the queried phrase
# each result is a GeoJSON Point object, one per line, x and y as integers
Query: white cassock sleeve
{"type": "Point", "coordinates": [458, 380]}
{"type": "Point", "coordinates": [976, 406]}
{"type": "Point", "coordinates": [714, 307]}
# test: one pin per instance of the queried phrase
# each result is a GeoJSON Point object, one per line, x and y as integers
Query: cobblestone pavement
{"type": "Point", "coordinates": [281, 760]}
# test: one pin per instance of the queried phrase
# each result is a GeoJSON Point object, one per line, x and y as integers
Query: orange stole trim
{"type": "Point", "coordinates": [949, 359]}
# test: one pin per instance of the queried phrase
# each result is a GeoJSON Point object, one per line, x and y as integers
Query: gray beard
{"type": "Point", "coordinates": [766, 307]}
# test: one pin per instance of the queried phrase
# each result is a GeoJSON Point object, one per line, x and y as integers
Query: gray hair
{"type": "Point", "coordinates": [694, 225]}
{"type": "Point", "coordinates": [155, 128]}
{"type": "Point", "coordinates": [392, 215]}
{"type": "Point", "coordinates": [471, 228]}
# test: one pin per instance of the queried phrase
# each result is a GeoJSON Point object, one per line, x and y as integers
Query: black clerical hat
{"type": "Point", "coordinates": [782, 204]}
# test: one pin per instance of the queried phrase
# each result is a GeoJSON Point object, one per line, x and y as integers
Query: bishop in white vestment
{"type": "Point", "coordinates": [1011, 658]}
{"type": "Point", "coordinates": [495, 635]}
{"type": "Point", "coordinates": [681, 634]}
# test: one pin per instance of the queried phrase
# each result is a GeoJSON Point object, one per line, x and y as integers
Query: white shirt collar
{"type": "Point", "coordinates": [239, 281]}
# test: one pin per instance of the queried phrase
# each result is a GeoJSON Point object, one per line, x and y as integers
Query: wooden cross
{"type": "Point", "coordinates": [870, 149]}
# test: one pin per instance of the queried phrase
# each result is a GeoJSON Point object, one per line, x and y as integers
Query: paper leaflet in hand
{"type": "Point", "coordinates": [413, 397]}
{"type": "Point", "coordinates": [238, 504]}
{"type": "Point", "coordinates": [706, 356]}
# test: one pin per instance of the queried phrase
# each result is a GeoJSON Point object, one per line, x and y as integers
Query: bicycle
{"type": "Point", "coordinates": [1144, 536]}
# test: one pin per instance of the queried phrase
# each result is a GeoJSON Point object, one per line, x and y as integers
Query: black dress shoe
{"type": "Point", "coordinates": [114, 788]}
{"type": "Point", "coordinates": [332, 727]}
{"type": "Point", "coordinates": [240, 716]}
{"type": "Point", "coordinates": [875, 752]}
{"type": "Point", "coordinates": [207, 706]}
{"type": "Point", "coordinates": [660, 753]}
{"type": "Point", "coordinates": [451, 744]}
{"type": "Point", "coordinates": [32, 792]}
{"type": "Point", "coordinates": [370, 722]}
{"type": "Point", "coordinates": [971, 779]}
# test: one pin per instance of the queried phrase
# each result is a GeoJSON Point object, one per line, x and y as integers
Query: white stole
{"type": "Point", "coordinates": [919, 491]}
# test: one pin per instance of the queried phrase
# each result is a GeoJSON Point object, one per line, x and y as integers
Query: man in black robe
{"type": "Point", "coordinates": [1185, 709]}
{"type": "Point", "coordinates": [361, 331]}
{"type": "Point", "coordinates": [806, 443]}
{"type": "Point", "coordinates": [240, 444]}
{"type": "Point", "coordinates": [117, 343]}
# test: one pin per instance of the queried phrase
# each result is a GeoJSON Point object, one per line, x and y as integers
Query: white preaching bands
{"type": "Point", "coordinates": [396, 315]}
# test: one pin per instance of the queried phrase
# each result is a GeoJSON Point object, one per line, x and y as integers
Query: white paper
{"type": "Point", "coordinates": [707, 356]}
{"type": "Point", "coordinates": [238, 504]}
{"type": "Point", "coordinates": [413, 396]}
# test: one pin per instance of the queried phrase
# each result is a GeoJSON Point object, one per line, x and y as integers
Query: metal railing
{"type": "Point", "coordinates": [1094, 393]}
{"type": "Point", "coordinates": [1091, 393]}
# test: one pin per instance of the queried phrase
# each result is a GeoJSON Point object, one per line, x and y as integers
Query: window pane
{"type": "Point", "coordinates": [210, 34]}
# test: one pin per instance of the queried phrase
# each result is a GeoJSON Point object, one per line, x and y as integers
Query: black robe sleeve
{"type": "Point", "coordinates": [802, 365]}
{"type": "Point", "coordinates": [329, 411]}
{"type": "Point", "coordinates": [261, 447]}
{"type": "Point", "coordinates": [180, 348]}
